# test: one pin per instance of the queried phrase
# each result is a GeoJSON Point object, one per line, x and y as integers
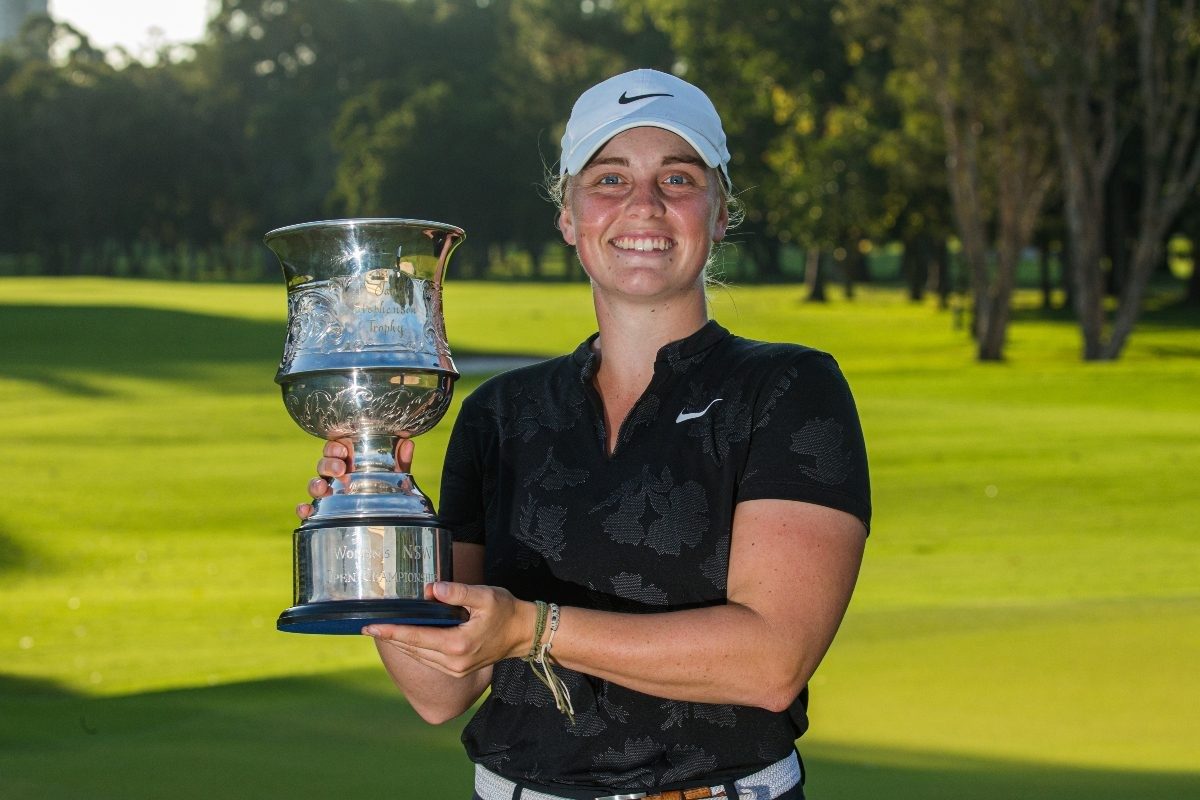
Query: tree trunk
{"type": "Point", "coordinates": [997, 309]}
{"type": "Point", "coordinates": [1079, 93]}
{"type": "Point", "coordinates": [1192, 298]}
{"type": "Point", "coordinates": [940, 280]}
{"type": "Point", "coordinates": [1149, 251]}
{"type": "Point", "coordinates": [814, 276]}
{"type": "Point", "coordinates": [1066, 272]}
{"type": "Point", "coordinates": [963, 157]}
{"type": "Point", "coordinates": [913, 266]}
{"type": "Point", "coordinates": [1168, 75]}
{"type": "Point", "coordinates": [1086, 230]}
{"type": "Point", "coordinates": [1044, 281]}
{"type": "Point", "coordinates": [536, 262]}
{"type": "Point", "coordinates": [1116, 237]}
{"type": "Point", "coordinates": [853, 266]}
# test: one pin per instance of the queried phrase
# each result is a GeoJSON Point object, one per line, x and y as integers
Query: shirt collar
{"type": "Point", "coordinates": [678, 354]}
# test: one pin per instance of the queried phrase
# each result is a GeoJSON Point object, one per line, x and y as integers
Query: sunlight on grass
{"type": "Point", "coordinates": [1029, 595]}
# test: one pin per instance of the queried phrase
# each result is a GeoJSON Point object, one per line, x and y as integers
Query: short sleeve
{"type": "Point", "coordinates": [462, 496]}
{"type": "Point", "coordinates": [806, 442]}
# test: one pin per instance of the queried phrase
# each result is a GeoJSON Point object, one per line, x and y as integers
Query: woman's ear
{"type": "Point", "coordinates": [565, 226]}
{"type": "Point", "coordinates": [721, 223]}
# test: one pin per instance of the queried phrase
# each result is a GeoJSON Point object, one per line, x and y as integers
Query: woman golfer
{"type": "Point", "coordinates": [657, 535]}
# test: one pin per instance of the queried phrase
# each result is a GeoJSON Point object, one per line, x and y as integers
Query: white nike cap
{"type": "Point", "coordinates": [643, 98]}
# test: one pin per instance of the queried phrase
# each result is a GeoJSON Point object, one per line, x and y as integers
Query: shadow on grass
{"type": "Point", "coordinates": [54, 346]}
{"type": "Point", "coordinates": [859, 772]}
{"type": "Point", "coordinates": [350, 734]}
{"type": "Point", "coordinates": [16, 555]}
{"type": "Point", "coordinates": [1157, 314]}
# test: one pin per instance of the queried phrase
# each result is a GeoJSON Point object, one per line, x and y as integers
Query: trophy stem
{"type": "Point", "coordinates": [375, 452]}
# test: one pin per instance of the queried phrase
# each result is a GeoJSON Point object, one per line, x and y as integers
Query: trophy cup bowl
{"type": "Point", "coordinates": [366, 360]}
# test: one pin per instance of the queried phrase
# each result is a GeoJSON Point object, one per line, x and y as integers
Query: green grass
{"type": "Point", "coordinates": [1025, 624]}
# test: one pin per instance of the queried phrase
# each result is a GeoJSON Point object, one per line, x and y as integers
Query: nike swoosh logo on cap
{"type": "Point", "coordinates": [684, 416]}
{"type": "Point", "coordinates": [624, 100]}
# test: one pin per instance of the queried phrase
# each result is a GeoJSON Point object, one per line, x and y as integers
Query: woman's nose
{"type": "Point", "coordinates": [645, 199]}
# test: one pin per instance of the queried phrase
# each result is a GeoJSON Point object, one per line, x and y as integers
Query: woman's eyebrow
{"type": "Point", "coordinates": [613, 161]}
{"type": "Point", "coordinates": [620, 161]}
{"type": "Point", "coordinates": [684, 158]}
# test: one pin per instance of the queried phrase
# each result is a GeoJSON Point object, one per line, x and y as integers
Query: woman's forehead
{"type": "Point", "coordinates": [655, 145]}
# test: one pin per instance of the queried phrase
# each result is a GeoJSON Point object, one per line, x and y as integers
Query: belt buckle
{"type": "Point", "coordinates": [676, 794]}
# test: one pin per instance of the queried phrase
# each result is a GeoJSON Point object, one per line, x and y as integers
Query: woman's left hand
{"type": "Point", "coordinates": [500, 626]}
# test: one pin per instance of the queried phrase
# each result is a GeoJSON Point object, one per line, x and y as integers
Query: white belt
{"type": "Point", "coordinates": [767, 783]}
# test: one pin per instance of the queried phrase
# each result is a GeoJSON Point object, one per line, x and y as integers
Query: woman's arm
{"type": "Point", "coordinates": [792, 568]}
{"type": "Point", "coordinates": [434, 695]}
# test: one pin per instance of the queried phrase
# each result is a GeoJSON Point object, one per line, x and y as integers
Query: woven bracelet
{"type": "Point", "coordinates": [538, 629]}
{"type": "Point", "coordinates": [542, 663]}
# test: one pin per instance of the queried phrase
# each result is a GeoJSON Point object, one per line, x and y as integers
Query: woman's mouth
{"type": "Point", "coordinates": [643, 244]}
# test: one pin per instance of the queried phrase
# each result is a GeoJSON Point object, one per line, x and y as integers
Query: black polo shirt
{"type": "Point", "coordinates": [643, 529]}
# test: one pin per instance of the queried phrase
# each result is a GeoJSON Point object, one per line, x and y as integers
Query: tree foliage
{"type": "Point", "coordinates": [853, 123]}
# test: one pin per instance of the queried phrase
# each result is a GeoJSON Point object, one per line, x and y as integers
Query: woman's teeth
{"type": "Point", "coordinates": [643, 244]}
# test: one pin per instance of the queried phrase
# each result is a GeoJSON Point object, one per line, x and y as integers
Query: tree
{"type": "Point", "coordinates": [1168, 50]}
{"type": "Point", "coordinates": [100, 157]}
{"type": "Point", "coordinates": [549, 53]}
{"type": "Point", "coordinates": [777, 71]}
{"type": "Point", "coordinates": [1089, 57]}
{"type": "Point", "coordinates": [998, 154]}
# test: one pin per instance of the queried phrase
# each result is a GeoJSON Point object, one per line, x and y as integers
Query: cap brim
{"type": "Point", "coordinates": [589, 145]}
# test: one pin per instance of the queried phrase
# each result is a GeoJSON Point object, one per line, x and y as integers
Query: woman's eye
{"type": "Point", "coordinates": [677, 180]}
{"type": "Point", "coordinates": [610, 180]}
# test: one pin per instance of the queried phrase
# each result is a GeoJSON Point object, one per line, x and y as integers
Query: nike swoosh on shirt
{"type": "Point", "coordinates": [684, 416]}
{"type": "Point", "coordinates": [623, 99]}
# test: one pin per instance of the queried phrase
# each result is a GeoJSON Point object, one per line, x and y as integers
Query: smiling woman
{"type": "Point", "coordinates": [655, 536]}
{"type": "Point", "coordinates": [642, 216]}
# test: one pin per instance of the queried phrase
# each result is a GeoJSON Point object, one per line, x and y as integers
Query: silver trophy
{"type": "Point", "coordinates": [366, 360]}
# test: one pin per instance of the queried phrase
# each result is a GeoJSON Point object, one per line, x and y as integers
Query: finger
{"type": "Point", "coordinates": [304, 510]}
{"type": "Point", "coordinates": [429, 658]}
{"type": "Point", "coordinates": [331, 467]}
{"type": "Point", "coordinates": [404, 455]}
{"type": "Point", "coordinates": [318, 487]}
{"type": "Point", "coordinates": [454, 667]}
{"type": "Point", "coordinates": [456, 594]}
{"type": "Point", "coordinates": [425, 643]}
{"type": "Point", "coordinates": [339, 450]}
{"type": "Point", "coordinates": [336, 449]}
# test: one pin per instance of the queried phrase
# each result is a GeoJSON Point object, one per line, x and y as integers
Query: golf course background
{"type": "Point", "coordinates": [1026, 622]}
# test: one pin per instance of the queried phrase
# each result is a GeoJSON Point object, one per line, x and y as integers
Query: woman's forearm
{"type": "Point", "coordinates": [793, 569]}
{"type": "Point", "coordinates": [722, 654]}
{"type": "Point", "coordinates": [434, 695]}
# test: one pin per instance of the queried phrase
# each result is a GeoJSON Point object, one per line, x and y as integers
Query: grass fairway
{"type": "Point", "coordinates": [1025, 625]}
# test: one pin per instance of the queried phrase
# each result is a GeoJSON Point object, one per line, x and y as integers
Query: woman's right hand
{"type": "Point", "coordinates": [336, 461]}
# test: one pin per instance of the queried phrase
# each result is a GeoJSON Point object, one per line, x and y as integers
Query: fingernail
{"type": "Point", "coordinates": [370, 631]}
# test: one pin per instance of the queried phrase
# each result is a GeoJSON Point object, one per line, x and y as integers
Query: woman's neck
{"type": "Point", "coordinates": [632, 334]}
